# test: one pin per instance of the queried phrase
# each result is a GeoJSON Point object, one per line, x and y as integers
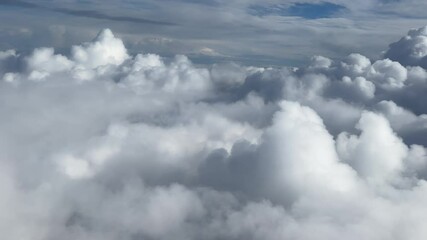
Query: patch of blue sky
{"type": "Point", "coordinates": [304, 10]}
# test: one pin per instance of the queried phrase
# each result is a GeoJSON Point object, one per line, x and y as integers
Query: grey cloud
{"type": "Point", "coordinates": [223, 26]}
{"type": "Point", "coordinates": [410, 50]}
{"type": "Point", "coordinates": [98, 15]}
{"type": "Point", "coordinates": [83, 13]}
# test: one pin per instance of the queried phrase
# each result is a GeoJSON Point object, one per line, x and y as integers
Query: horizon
{"type": "Point", "coordinates": [267, 33]}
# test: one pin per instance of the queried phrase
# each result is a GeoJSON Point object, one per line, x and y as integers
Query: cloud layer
{"type": "Point", "coordinates": [100, 144]}
{"type": "Point", "coordinates": [251, 32]}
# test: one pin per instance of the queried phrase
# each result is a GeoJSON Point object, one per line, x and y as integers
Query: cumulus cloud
{"type": "Point", "coordinates": [411, 49]}
{"type": "Point", "coordinates": [106, 49]}
{"type": "Point", "coordinates": [100, 144]}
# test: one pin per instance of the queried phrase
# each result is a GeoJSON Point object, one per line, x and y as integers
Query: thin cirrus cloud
{"type": "Point", "coordinates": [304, 10]}
{"type": "Point", "coordinates": [82, 13]}
{"type": "Point", "coordinates": [100, 143]}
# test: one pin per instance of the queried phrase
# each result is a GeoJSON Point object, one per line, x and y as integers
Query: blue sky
{"type": "Point", "coordinates": [253, 32]}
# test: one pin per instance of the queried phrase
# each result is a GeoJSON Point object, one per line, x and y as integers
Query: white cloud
{"type": "Point", "coordinates": [296, 128]}
{"type": "Point", "coordinates": [388, 74]}
{"type": "Point", "coordinates": [355, 64]}
{"type": "Point", "coordinates": [377, 154]}
{"type": "Point", "coordinates": [320, 62]}
{"type": "Point", "coordinates": [105, 145]}
{"type": "Point", "coordinates": [43, 62]}
{"type": "Point", "coordinates": [106, 49]}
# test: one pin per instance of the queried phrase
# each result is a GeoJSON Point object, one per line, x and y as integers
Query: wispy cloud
{"type": "Point", "coordinates": [304, 10]}
{"type": "Point", "coordinates": [83, 13]}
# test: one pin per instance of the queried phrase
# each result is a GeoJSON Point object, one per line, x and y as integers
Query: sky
{"type": "Point", "coordinates": [261, 33]}
{"type": "Point", "coordinates": [230, 120]}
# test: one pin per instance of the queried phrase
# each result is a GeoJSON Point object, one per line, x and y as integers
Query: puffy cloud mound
{"type": "Point", "coordinates": [99, 144]}
{"type": "Point", "coordinates": [106, 49]}
{"type": "Point", "coordinates": [411, 49]}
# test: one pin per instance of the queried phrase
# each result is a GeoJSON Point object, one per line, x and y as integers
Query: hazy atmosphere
{"type": "Point", "coordinates": [213, 119]}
